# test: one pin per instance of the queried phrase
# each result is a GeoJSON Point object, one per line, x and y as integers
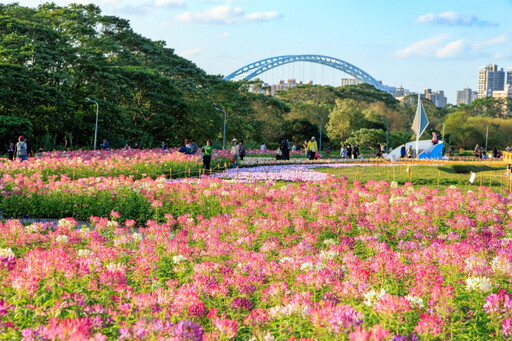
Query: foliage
{"type": "Point", "coordinates": [464, 130]}
{"type": "Point", "coordinates": [346, 118]}
{"type": "Point", "coordinates": [299, 130]}
{"type": "Point", "coordinates": [367, 93]}
{"type": "Point", "coordinates": [10, 124]}
{"type": "Point", "coordinates": [367, 138]}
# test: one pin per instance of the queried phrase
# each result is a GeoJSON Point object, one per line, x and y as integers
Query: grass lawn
{"type": "Point", "coordinates": [431, 176]}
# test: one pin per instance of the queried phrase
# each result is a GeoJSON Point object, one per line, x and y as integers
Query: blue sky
{"type": "Point", "coordinates": [418, 44]}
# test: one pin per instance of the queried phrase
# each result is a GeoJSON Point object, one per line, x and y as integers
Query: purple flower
{"type": "Point", "coordinates": [241, 303]}
{"type": "Point", "coordinates": [187, 330]}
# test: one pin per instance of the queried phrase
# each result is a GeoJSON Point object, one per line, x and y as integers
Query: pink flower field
{"type": "Point", "coordinates": [217, 260]}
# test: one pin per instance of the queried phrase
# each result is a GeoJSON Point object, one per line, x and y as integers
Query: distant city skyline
{"type": "Point", "coordinates": [417, 45]}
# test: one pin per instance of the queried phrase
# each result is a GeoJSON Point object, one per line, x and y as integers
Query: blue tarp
{"type": "Point", "coordinates": [433, 153]}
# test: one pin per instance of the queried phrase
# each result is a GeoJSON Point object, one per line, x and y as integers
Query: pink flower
{"type": "Point", "coordinates": [506, 327]}
{"type": "Point", "coordinates": [429, 325]}
{"type": "Point", "coordinates": [376, 333]}
{"type": "Point", "coordinates": [226, 327]}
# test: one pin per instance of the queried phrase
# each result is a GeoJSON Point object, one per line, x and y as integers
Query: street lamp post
{"type": "Point", "coordinates": [224, 132]}
{"type": "Point", "coordinates": [320, 146]}
{"type": "Point", "coordinates": [387, 133]}
{"type": "Point", "coordinates": [97, 112]}
{"type": "Point", "coordinates": [486, 138]}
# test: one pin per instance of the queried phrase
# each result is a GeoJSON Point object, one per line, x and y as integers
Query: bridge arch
{"type": "Point", "coordinates": [254, 69]}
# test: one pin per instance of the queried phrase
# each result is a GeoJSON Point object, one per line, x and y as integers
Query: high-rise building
{"type": "Point", "coordinates": [282, 85]}
{"type": "Point", "coordinates": [504, 95]}
{"type": "Point", "coordinates": [490, 78]}
{"type": "Point", "coordinates": [466, 96]}
{"type": "Point", "coordinates": [350, 81]}
{"type": "Point", "coordinates": [437, 98]}
{"type": "Point", "coordinates": [509, 76]}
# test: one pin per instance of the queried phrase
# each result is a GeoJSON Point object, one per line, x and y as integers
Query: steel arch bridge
{"type": "Point", "coordinates": [254, 69]}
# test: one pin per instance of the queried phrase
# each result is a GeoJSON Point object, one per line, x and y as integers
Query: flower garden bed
{"type": "Point", "coordinates": [324, 260]}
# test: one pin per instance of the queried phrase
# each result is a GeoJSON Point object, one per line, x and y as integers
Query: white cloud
{"type": "Point", "coordinates": [169, 3]}
{"type": "Point", "coordinates": [440, 47]}
{"type": "Point", "coordinates": [452, 49]}
{"type": "Point", "coordinates": [223, 35]}
{"type": "Point", "coordinates": [502, 55]}
{"type": "Point", "coordinates": [453, 19]}
{"type": "Point", "coordinates": [192, 52]}
{"type": "Point", "coordinates": [226, 14]}
{"type": "Point", "coordinates": [136, 6]}
{"type": "Point", "coordinates": [167, 24]}
{"type": "Point", "coordinates": [492, 42]}
{"type": "Point", "coordinates": [422, 48]}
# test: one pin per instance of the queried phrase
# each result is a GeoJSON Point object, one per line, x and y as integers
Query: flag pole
{"type": "Point", "coordinates": [419, 126]}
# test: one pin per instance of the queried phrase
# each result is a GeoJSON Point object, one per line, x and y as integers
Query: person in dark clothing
{"type": "Point", "coordinates": [356, 151]}
{"type": "Point", "coordinates": [30, 152]}
{"type": "Point", "coordinates": [105, 145]}
{"type": "Point", "coordinates": [495, 152]}
{"type": "Point", "coordinates": [349, 151]}
{"type": "Point", "coordinates": [285, 149]}
{"type": "Point", "coordinates": [10, 150]}
{"type": "Point", "coordinates": [402, 151]}
{"type": "Point", "coordinates": [207, 151]}
{"type": "Point", "coordinates": [242, 151]}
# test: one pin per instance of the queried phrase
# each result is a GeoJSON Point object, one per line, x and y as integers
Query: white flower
{"type": "Point", "coordinates": [6, 253]}
{"type": "Point", "coordinates": [501, 265]}
{"type": "Point", "coordinates": [62, 239]}
{"type": "Point", "coordinates": [328, 254]}
{"type": "Point", "coordinates": [137, 236]}
{"type": "Point", "coordinates": [310, 266]}
{"type": "Point", "coordinates": [115, 267]}
{"type": "Point", "coordinates": [285, 259]}
{"type": "Point", "coordinates": [31, 228]}
{"type": "Point", "coordinates": [112, 224]}
{"type": "Point", "coordinates": [415, 301]}
{"type": "Point", "coordinates": [66, 223]}
{"type": "Point", "coordinates": [84, 253]}
{"type": "Point", "coordinates": [482, 284]}
{"type": "Point", "coordinates": [372, 296]}
{"type": "Point", "coordinates": [178, 259]}
{"type": "Point", "coordinates": [330, 242]}
{"type": "Point", "coordinates": [393, 184]}
{"type": "Point", "coordinates": [452, 187]}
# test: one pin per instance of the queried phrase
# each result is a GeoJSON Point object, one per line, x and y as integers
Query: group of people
{"type": "Point", "coordinates": [22, 149]}
{"type": "Point", "coordinates": [410, 153]}
{"type": "Point", "coordinates": [188, 147]}
{"type": "Point", "coordinates": [238, 151]}
{"type": "Point", "coordinates": [349, 151]}
{"type": "Point", "coordinates": [480, 152]}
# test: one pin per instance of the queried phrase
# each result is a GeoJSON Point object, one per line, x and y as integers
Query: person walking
{"type": "Point", "coordinates": [235, 150]}
{"type": "Point", "coordinates": [349, 151]}
{"type": "Point", "coordinates": [402, 151]}
{"type": "Point", "coordinates": [10, 150]}
{"type": "Point", "coordinates": [21, 149]}
{"type": "Point", "coordinates": [162, 145]}
{"type": "Point", "coordinates": [495, 152]}
{"type": "Point", "coordinates": [343, 152]}
{"type": "Point", "coordinates": [263, 148]}
{"type": "Point", "coordinates": [207, 151]}
{"type": "Point", "coordinates": [285, 149]}
{"type": "Point", "coordinates": [306, 151]}
{"type": "Point", "coordinates": [312, 148]}
{"type": "Point", "coordinates": [356, 151]}
{"type": "Point", "coordinates": [242, 151]}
